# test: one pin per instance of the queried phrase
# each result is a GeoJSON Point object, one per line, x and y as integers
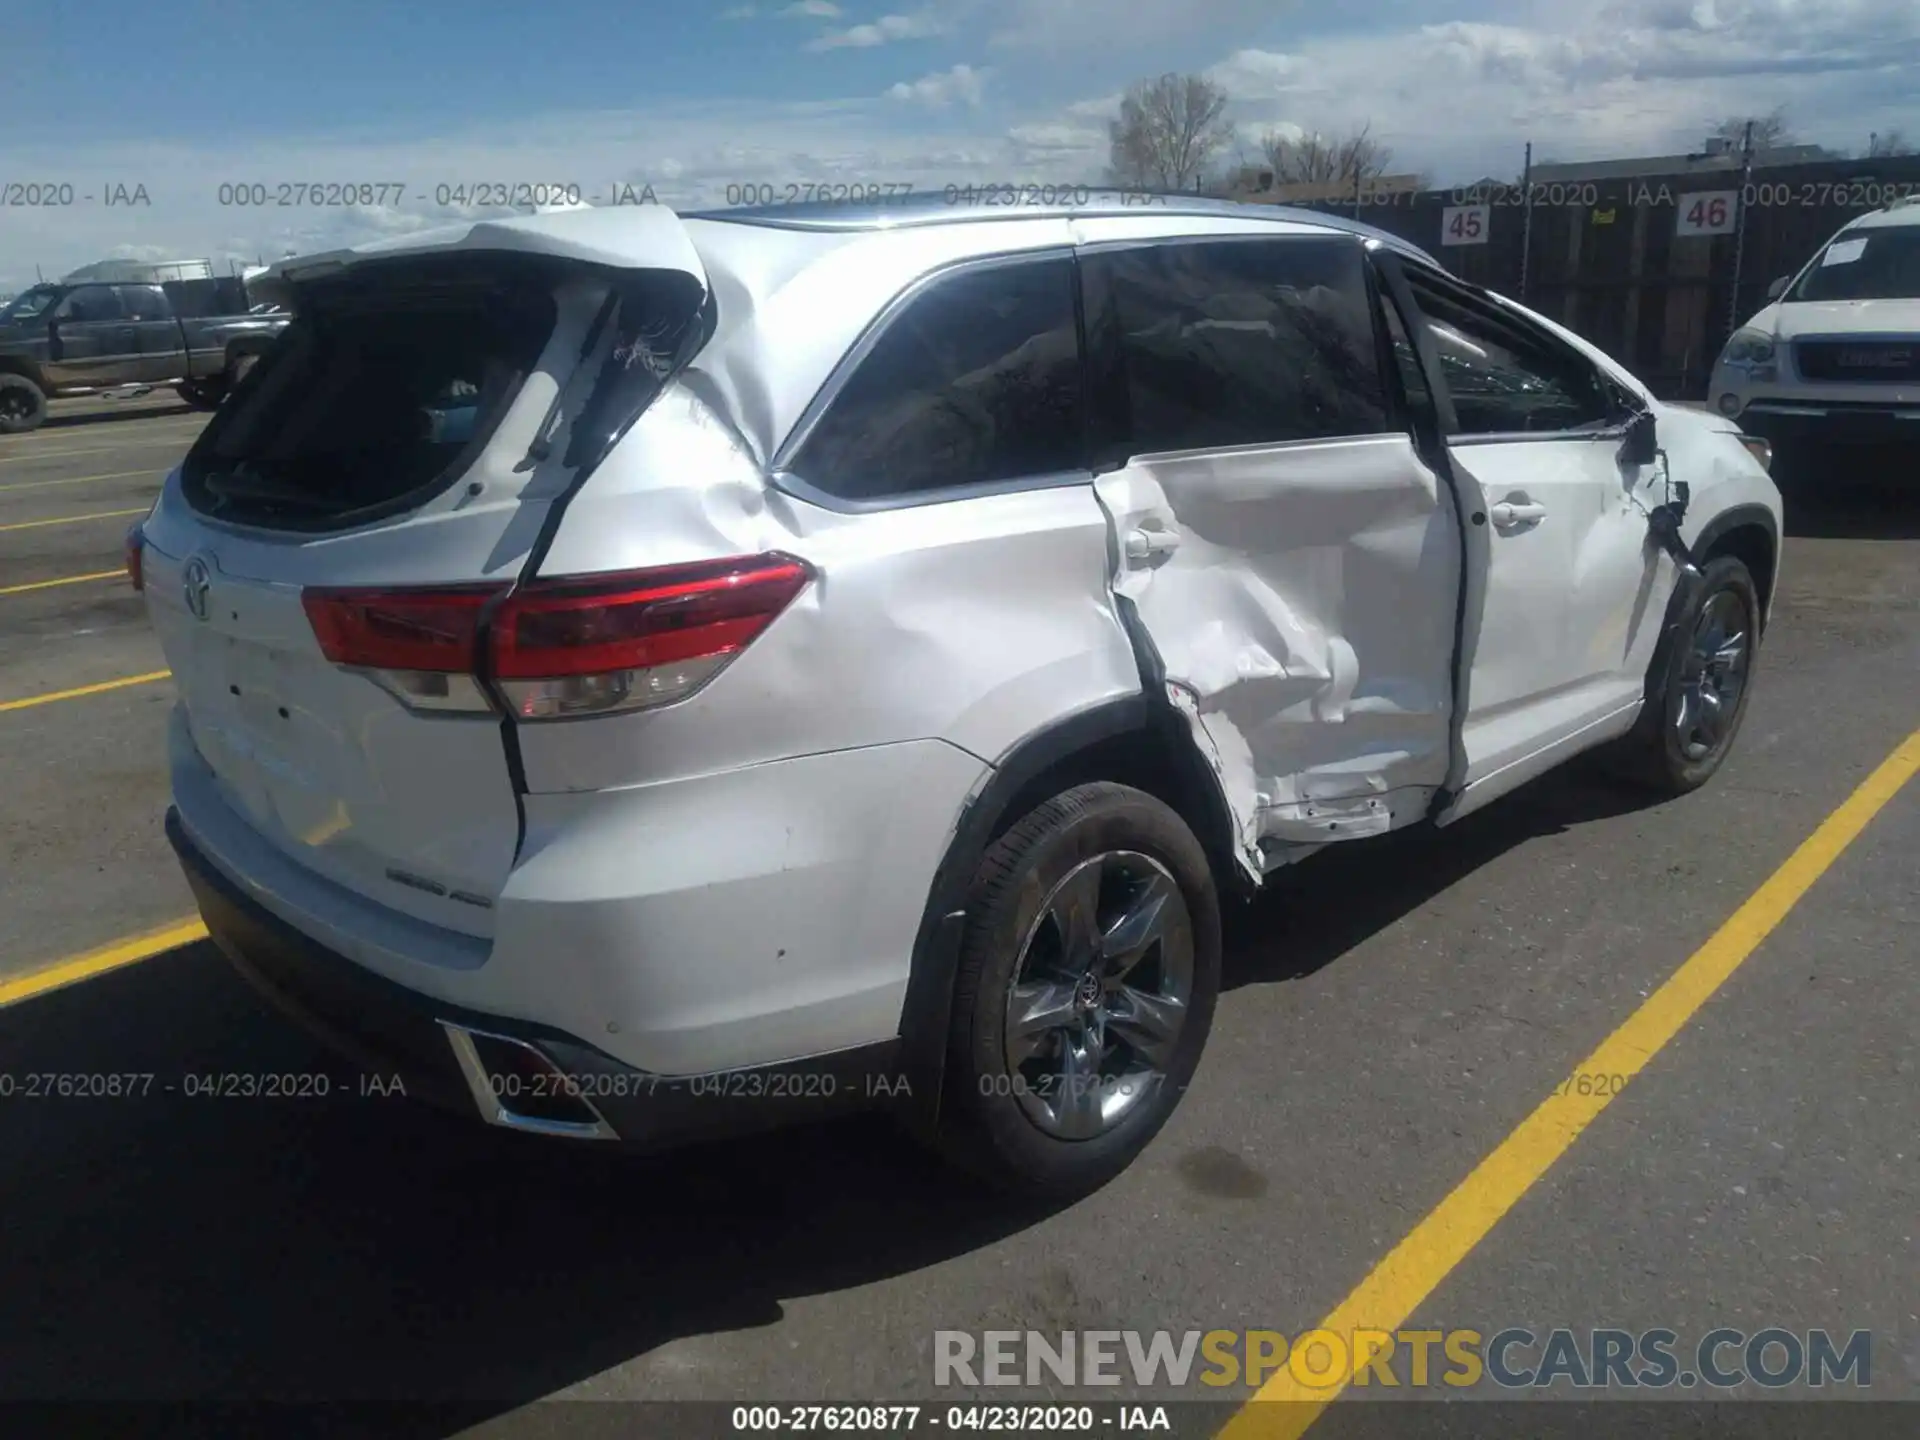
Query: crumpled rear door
{"type": "Point", "coordinates": [1300, 600]}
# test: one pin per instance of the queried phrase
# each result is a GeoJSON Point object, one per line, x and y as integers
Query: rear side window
{"type": "Point", "coordinates": [91, 303]}
{"type": "Point", "coordinates": [1236, 342]}
{"type": "Point", "coordinates": [143, 302]}
{"type": "Point", "coordinates": [975, 381]}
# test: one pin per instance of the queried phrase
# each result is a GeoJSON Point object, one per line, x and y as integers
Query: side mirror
{"type": "Point", "coordinates": [1779, 287]}
{"type": "Point", "coordinates": [1643, 442]}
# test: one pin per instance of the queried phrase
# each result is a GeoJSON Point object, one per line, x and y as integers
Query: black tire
{"type": "Point", "coordinates": [987, 1121]}
{"type": "Point", "coordinates": [1654, 755]}
{"type": "Point", "coordinates": [23, 405]}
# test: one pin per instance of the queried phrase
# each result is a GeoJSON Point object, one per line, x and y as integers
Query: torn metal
{"type": "Point", "coordinates": [1299, 601]}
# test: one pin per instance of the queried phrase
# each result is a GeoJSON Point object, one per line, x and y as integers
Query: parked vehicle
{"type": "Point", "coordinates": [1835, 358]}
{"type": "Point", "coordinates": [196, 335]}
{"type": "Point", "coordinates": [642, 675]}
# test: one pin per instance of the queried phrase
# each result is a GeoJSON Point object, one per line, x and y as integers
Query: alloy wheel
{"type": "Point", "coordinates": [1713, 674]}
{"type": "Point", "coordinates": [1100, 995]}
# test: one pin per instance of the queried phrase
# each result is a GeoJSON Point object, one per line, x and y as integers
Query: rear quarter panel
{"type": "Point", "coordinates": [976, 621]}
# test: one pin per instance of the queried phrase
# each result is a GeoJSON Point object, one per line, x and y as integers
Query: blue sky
{"type": "Point", "coordinates": [185, 96]}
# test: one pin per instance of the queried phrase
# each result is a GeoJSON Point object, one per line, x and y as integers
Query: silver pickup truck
{"type": "Point", "coordinates": [200, 336]}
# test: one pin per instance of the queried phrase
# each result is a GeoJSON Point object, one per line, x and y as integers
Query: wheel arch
{"type": "Point", "coordinates": [21, 366]}
{"type": "Point", "coordinates": [1130, 741]}
{"type": "Point", "coordinates": [1750, 534]}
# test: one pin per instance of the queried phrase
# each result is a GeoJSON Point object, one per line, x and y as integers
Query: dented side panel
{"type": "Point", "coordinates": [1299, 600]}
{"type": "Point", "coordinates": [977, 621]}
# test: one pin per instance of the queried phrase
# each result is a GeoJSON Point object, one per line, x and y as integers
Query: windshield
{"type": "Point", "coordinates": [29, 303]}
{"type": "Point", "coordinates": [1865, 265]}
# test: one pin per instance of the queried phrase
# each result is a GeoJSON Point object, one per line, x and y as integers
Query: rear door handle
{"type": "Point", "coordinates": [1507, 514]}
{"type": "Point", "coordinates": [1145, 544]}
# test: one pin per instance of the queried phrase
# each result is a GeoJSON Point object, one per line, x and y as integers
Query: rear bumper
{"type": "Point", "coordinates": [719, 922]}
{"type": "Point", "coordinates": [1834, 424]}
{"type": "Point", "coordinates": [392, 1032]}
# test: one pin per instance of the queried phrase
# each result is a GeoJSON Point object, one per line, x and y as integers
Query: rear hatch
{"type": "Point", "coordinates": [321, 565]}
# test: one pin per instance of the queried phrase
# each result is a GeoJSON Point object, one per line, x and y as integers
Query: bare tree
{"type": "Point", "coordinates": [1770, 131]}
{"type": "Point", "coordinates": [1169, 131]}
{"type": "Point", "coordinates": [1890, 142]}
{"type": "Point", "coordinates": [1320, 160]}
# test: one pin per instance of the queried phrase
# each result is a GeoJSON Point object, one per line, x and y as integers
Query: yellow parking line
{"type": "Point", "coordinates": [72, 519]}
{"type": "Point", "coordinates": [78, 479]}
{"type": "Point", "coordinates": [99, 962]}
{"type": "Point", "coordinates": [79, 690]}
{"type": "Point", "coordinates": [63, 580]}
{"type": "Point", "coordinates": [1399, 1284]}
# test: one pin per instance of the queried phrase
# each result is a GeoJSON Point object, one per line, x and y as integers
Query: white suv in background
{"type": "Point", "coordinates": [1835, 358]}
{"type": "Point", "coordinates": [641, 675]}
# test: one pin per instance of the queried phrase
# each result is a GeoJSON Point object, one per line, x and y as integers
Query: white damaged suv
{"type": "Point", "coordinates": [642, 675]}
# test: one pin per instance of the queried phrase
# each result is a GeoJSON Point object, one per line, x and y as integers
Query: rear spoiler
{"type": "Point", "coordinates": [625, 237]}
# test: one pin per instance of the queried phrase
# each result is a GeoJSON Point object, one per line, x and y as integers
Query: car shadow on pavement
{"type": "Point", "coordinates": [358, 1248]}
{"type": "Point", "coordinates": [1308, 916]}
{"type": "Point", "coordinates": [1873, 494]}
{"type": "Point", "coordinates": [365, 1249]}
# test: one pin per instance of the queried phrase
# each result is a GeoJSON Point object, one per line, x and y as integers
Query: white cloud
{"type": "Point", "coordinates": [942, 88]}
{"type": "Point", "coordinates": [1633, 77]}
{"type": "Point", "coordinates": [692, 155]}
{"type": "Point", "coordinates": [1458, 99]}
{"type": "Point", "coordinates": [813, 10]}
{"type": "Point", "coordinates": [1137, 27]}
{"type": "Point", "coordinates": [884, 31]}
{"type": "Point", "coordinates": [740, 12]}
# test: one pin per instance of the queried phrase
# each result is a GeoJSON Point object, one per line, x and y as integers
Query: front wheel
{"type": "Point", "coordinates": [23, 405]}
{"type": "Point", "coordinates": [1695, 706]}
{"type": "Point", "coordinates": [1086, 988]}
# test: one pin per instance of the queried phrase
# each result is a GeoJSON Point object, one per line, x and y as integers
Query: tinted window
{"type": "Point", "coordinates": [1504, 375]}
{"type": "Point", "coordinates": [143, 302]}
{"type": "Point", "coordinates": [977, 379]}
{"type": "Point", "coordinates": [1866, 265]}
{"type": "Point", "coordinates": [90, 302]}
{"type": "Point", "coordinates": [1240, 342]}
{"type": "Point", "coordinates": [29, 303]}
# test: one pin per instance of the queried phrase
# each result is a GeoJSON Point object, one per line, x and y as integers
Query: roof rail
{"type": "Point", "coordinates": [1904, 201]}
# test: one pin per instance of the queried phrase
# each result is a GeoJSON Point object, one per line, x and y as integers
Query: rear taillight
{"type": "Point", "coordinates": [625, 642]}
{"type": "Point", "coordinates": [135, 553]}
{"type": "Point", "coordinates": [559, 648]}
{"type": "Point", "coordinates": [418, 644]}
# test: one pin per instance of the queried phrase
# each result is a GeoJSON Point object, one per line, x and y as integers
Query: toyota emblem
{"type": "Point", "coordinates": [195, 581]}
